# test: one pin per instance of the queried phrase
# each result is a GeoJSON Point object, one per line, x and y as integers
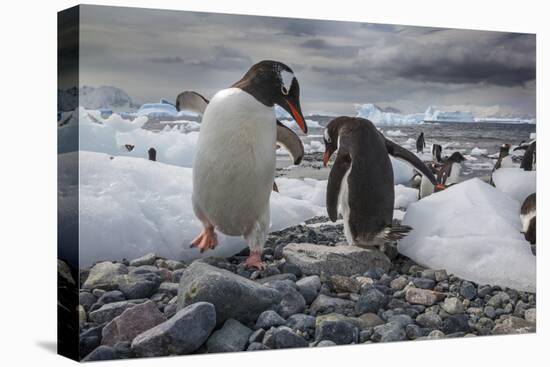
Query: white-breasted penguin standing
{"type": "Point", "coordinates": [420, 143]}
{"type": "Point", "coordinates": [528, 215]}
{"type": "Point", "coordinates": [234, 164]}
{"type": "Point", "coordinates": [361, 180]}
{"type": "Point", "coordinates": [449, 172]}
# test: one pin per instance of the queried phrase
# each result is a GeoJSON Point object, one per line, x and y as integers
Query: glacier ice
{"type": "Point", "coordinates": [473, 231]}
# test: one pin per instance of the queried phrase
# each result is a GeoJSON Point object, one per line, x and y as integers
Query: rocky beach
{"type": "Point", "coordinates": [314, 292]}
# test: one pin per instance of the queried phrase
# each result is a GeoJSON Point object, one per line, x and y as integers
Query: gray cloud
{"type": "Point", "coordinates": [159, 53]}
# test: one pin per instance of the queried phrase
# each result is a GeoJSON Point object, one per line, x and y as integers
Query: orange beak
{"type": "Point", "coordinates": [297, 116]}
{"type": "Point", "coordinates": [326, 158]}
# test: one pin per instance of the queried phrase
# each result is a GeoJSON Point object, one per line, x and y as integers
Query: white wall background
{"type": "Point", "coordinates": [28, 181]}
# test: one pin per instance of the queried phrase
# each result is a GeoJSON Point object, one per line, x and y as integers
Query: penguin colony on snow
{"type": "Point", "coordinates": [233, 173]}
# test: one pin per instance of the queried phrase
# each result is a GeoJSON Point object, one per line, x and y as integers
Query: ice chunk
{"type": "Point", "coordinates": [377, 116]}
{"type": "Point", "coordinates": [515, 182]}
{"type": "Point", "coordinates": [132, 206]}
{"type": "Point", "coordinates": [404, 196]}
{"type": "Point", "coordinates": [473, 231]}
{"type": "Point", "coordinates": [402, 172]}
{"type": "Point", "coordinates": [478, 151]}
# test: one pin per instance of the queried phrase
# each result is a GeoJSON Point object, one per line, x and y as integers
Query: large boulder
{"type": "Point", "coordinates": [132, 322]}
{"type": "Point", "coordinates": [232, 337]}
{"type": "Point", "coordinates": [233, 296]}
{"type": "Point", "coordinates": [104, 275]}
{"type": "Point", "coordinates": [184, 333]}
{"type": "Point", "coordinates": [109, 311]}
{"type": "Point", "coordinates": [314, 259]}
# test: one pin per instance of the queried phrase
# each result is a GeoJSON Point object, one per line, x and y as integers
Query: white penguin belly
{"type": "Point", "coordinates": [343, 203]}
{"type": "Point", "coordinates": [234, 164]}
{"type": "Point", "coordinates": [456, 168]}
{"type": "Point", "coordinates": [426, 187]}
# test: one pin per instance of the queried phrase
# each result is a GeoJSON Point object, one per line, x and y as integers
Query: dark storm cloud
{"type": "Point", "coordinates": [167, 60]}
{"type": "Point", "coordinates": [158, 53]}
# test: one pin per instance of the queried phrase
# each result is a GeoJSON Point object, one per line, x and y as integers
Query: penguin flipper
{"type": "Point", "coordinates": [290, 142]}
{"type": "Point", "coordinates": [337, 173]}
{"type": "Point", "coordinates": [399, 152]}
{"type": "Point", "coordinates": [395, 232]}
{"type": "Point", "coordinates": [191, 101]}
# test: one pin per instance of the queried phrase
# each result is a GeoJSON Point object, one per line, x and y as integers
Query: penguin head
{"type": "Point", "coordinates": [504, 150]}
{"type": "Point", "coordinates": [272, 82]}
{"type": "Point", "coordinates": [330, 138]}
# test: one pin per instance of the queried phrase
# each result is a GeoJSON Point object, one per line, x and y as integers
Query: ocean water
{"type": "Point", "coordinates": [461, 137]}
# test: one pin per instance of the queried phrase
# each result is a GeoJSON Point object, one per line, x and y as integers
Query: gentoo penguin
{"type": "Point", "coordinates": [503, 152]}
{"type": "Point", "coordinates": [449, 171]}
{"type": "Point", "coordinates": [528, 215]}
{"type": "Point", "coordinates": [420, 143]}
{"type": "Point", "coordinates": [436, 153]}
{"type": "Point", "coordinates": [234, 163]}
{"type": "Point", "coordinates": [361, 181]}
{"type": "Point", "coordinates": [286, 138]}
{"type": "Point", "coordinates": [528, 163]}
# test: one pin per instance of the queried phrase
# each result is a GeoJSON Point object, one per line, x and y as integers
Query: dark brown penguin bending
{"type": "Point", "coordinates": [529, 157]}
{"type": "Point", "coordinates": [528, 215]}
{"type": "Point", "coordinates": [361, 180]}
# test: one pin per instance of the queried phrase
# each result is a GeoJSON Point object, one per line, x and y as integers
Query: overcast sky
{"type": "Point", "coordinates": [158, 53]}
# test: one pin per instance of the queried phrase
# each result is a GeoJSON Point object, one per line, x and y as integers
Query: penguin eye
{"type": "Point", "coordinates": [284, 91]}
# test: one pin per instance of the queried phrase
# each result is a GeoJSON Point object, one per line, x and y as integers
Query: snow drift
{"type": "Point", "coordinates": [473, 231]}
{"type": "Point", "coordinates": [515, 182]}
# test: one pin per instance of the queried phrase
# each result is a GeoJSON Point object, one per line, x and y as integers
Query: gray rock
{"type": "Point", "coordinates": [170, 264]}
{"type": "Point", "coordinates": [498, 300]}
{"type": "Point", "coordinates": [132, 322]}
{"type": "Point", "coordinates": [112, 296]}
{"type": "Point", "coordinates": [531, 315]}
{"type": "Point", "coordinates": [436, 334]}
{"type": "Point", "coordinates": [339, 332]}
{"type": "Point", "coordinates": [399, 283]}
{"type": "Point", "coordinates": [325, 343]}
{"type": "Point", "coordinates": [268, 319]}
{"type": "Point", "coordinates": [109, 311]}
{"type": "Point", "coordinates": [309, 287]}
{"type": "Point", "coordinates": [170, 310]}
{"type": "Point", "coordinates": [440, 275]}
{"type": "Point", "coordinates": [514, 325]}
{"type": "Point", "coordinates": [402, 320]}
{"type": "Point", "coordinates": [232, 337]}
{"type": "Point", "coordinates": [467, 290]}
{"type": "Point", "coordinates": [176, 275]}
{"type": "Point", "coordinates": [423, 296]}
{"type": "Point", "coordinates": [452, 305]}
{"type": "Point", "coordinates": [413, 331]}
{"type": "Point", "coordinates": [325, 304]}
{"type": "Point", "coordinates": [182, 334]}
{"type": "Point", "coordinates": [371, 320]}
{"type": "Point", "coordinates": [342, 284]}
{"type": "Point", "coordinates": [370, 301]}
{"type": "Point", "coordinates": [490, 312]}
{"type": "Point", "coordinates": [256, 346]}
{"type": "Point", "coordinates": [484, 326]}
{"type": "Point", "coordinates": [342, 260]}
{"type": "Point", "coordinates": [455, 323]}
{"type": "Point", "coordinates": [283, 337]}
{"type": "Point", "coordinates": [257, 336]}
{"type": "Point", "coordinates": [86, 299]}
{"type": "Point", "coordinates": [292, 301]}
{"type": "Point", "coordinates": [484, 291]}
{"type": "Point", "coordinates": [168, 288]}
{"type": "Point", "coordinates": [429, 319]}
{"type": "Point", "coordinates": [276, 277]}
{"type": "Point", "coordinates": [104, 276]}
{"type": "Point", "coordinates": [365, 335]}
{"type": "Point", "coordinates": [138, 285]}
{"type": "Point", "coordinates": [148, 259]}
{"type": "Point", "coordinates": [301, 322]}
{"type": "Point", "coordinates": [389, 332]}
{"type": "Point", "coordinates": [424, 283]}
{"type": "Point", "coordinates": [355, 321]}
{"type": "Point", "coordinates": [291, 269]}
{"type": "Point", "coordinates": [233, 296]}
{"type": "Point", "coordinates": [101, 353]}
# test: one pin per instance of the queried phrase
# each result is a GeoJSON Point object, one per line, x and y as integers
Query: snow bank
{"type": "Point", "coordinates": [404, 196]}
{"type": "Point", "coordinates": [402, 172]}
{"type": "Point", "coordinates": [473, 231]}
{"type": "Point", "coordinates": [478, 151]}
{"type": "Point", "coordinates": [110, 135]}
{"type": "Point", "coordinates": [131, 206]}
{"type": "Point", "coordinates": [394, 133]}
{"type": "Point", "coordinates": [515, 182]}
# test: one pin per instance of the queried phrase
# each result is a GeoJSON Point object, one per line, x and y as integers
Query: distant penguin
{"type": "Point", "coordinates": [420, 143]}
{"type": "Point", "coordinates": [503, 152]}
{"type": "Point", "coordinates": [528, 162]}
{"type": "Point", "coordinates": [528, 215]}
{"type": "Point", "coordinates": [449, 172]}
{"type": "Point", "coordinates": [234, 163]}
{"type": "Point", "coordinates": [436, 153]}
{"type": "Point", "coordinates": [361, 181]}
{"type": "Point", "coordinates": [152, 154]}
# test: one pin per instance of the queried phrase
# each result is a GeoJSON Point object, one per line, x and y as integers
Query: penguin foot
{"type": "Point", "coordinates": [206, 240]}
{"type": "Point", "coordinates": [254, 261]}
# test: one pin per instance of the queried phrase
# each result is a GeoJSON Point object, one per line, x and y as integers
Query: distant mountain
{"type": "Point", "coordinates": [104, 97]}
